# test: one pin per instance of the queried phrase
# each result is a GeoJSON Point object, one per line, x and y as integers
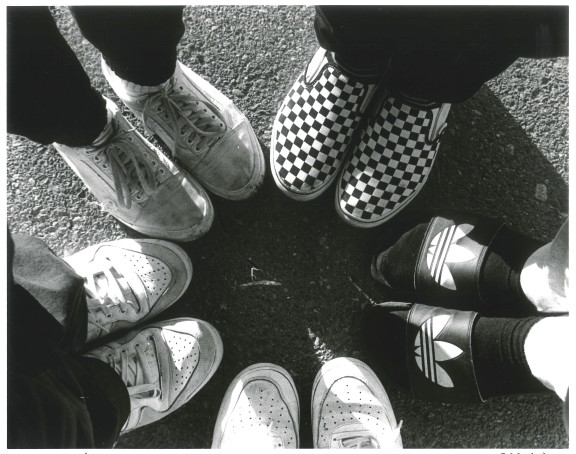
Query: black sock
{"type": "Point", "coordinates": [499, 275]}
{"type": "Point", "coordinates": [497, 350]}
{"type": "Point", "coordinates": [499, 359]}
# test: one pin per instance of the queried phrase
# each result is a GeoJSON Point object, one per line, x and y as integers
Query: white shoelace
{"type": "Point", "coordinates": [194, 126]}
{"type": "Point", "coordinates": [368, 441]}
{"type": "Point", "coordinates": [127, 167]}
{"type": "Point", "coordinates": [134, 368]}
{"type": "Point", "coordinates": [106, 292]}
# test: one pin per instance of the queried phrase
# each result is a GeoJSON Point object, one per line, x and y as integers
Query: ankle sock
{"type": "Point", "coordinates": [499, 276]}
{"type": "Point", "coordinates": [497, 348]}
{"type": "Point", "coordinates": [499, 359]}
{"type": "Point", "coordinates": [367, 73]}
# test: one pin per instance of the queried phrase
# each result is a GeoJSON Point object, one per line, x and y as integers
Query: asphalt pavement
{"type": "Point", "coordinates": [505, 155]}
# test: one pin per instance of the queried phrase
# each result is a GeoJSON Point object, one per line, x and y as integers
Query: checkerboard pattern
{"type": "Point", "coordinates": [390, 164]}
{"type": "Point", "coordinates": [313, 128]}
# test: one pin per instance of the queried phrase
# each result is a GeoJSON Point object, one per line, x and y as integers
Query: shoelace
{"type": "Point", "coordinates": [368, 441]}
{"type": "Point", "coordinates": [133, 366]}
{"type": "Point", "coordinates": [127, 166]}
{"type": "Point", "coordinates": [194, 126]}
{"type": "Point", "coordinates": [106, 291]}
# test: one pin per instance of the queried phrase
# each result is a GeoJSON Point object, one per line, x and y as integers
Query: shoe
{"type": "Point", "coordinates": [163, 365]}
{"type": "Point", "coordinates": [314, 126]}
{"type": "Point", "coordinates": [350, 408]}
{"type": "Point", "coordinates": [260, 410]}
{"type": "Point", "coordinates": [129, 281]}
{"type": "Point", "coordinates": [392, 161]}
{"type": "Point", "coordinates": [138, 185]}
{"type": "Point", "coordinates": [204, 130]}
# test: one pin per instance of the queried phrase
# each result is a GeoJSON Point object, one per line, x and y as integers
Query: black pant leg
{"type": "Point", "coordinates": [138, 42]}
{"type": "Point", "coordinates": [441, 53]}
{"type": "Point", "coordinates": [50, 98]}
{"type": "Point", "coordinates": [56, 398]}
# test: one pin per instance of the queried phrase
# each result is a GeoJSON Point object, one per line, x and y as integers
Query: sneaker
{"type": "Point", "coordinates": [350, 408]}
{"type": "Point", "coordinates": [129, 281]}
{"type": "Point", "coordinates": [138, 185]}
{"type": "Point", "coordinates": [392, 161]}
{"type": "Point", "coordinates": [260, 410]}
{"type": "Point", "coordinates": [163, 365]}
{"type": "Point", "coordinates": [205, 131]}
{"type": "Point", "coordinates": [314, 126]}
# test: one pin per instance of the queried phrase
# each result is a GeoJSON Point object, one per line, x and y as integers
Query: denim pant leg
{"type": "Point", "coordinates": [56, 398]}
{"type": "Point", "coordinates": [139, 43]}
{"type": "Point", "coordinates": [441, 54]}
{"type": "Point", "coordinates": [49, 95]}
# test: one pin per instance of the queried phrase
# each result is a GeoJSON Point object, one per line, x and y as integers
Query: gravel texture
{"type": "Point", "coordinates": [505, 155]}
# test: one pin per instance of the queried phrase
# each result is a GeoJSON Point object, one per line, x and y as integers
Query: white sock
{"type": "Point", "coordinates": [548, 352]}
{"type": "Point", "coordinates": [131, 89]}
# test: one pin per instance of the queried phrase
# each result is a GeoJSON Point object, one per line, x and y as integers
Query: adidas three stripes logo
{"type": "Point", "coordinates": [444, 249]}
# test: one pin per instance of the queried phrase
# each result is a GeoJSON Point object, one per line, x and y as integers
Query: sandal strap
{"type": "Point", "coordinates": [439, 354]}
{"type": "Point", "coordinates": [451, 257]}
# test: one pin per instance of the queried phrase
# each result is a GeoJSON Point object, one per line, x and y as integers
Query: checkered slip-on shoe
{"type": "Point", "coordinates": [314, 126]}
{"type": "Point", "coordinates": [392, 161]}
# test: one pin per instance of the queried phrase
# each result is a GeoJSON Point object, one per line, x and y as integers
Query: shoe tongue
{"type": "Point", "coordinates": [353, 436]}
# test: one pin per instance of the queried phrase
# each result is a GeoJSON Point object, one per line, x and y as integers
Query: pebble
{"type": "Point", "coordinates": [541, 192]}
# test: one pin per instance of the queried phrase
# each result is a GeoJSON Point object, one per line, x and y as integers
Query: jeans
{"type": "Point", "coordinates": [50, 97]}
{"type": "Point", "coordinates": [441, 54]}
{"type": "Point", "coordinates": [56, 397]}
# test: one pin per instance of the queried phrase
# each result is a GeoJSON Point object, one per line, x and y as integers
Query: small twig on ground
{"type": "Point", "coordinates": [357, 287]}
{"type": "Point", "coordinates": [252, 272]}
{"type": "Point", "coordinates": [253, 283]}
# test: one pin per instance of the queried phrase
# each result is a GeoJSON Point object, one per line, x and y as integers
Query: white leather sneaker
{"type": "Point", "coordinates": [260, 411]}
{"type": "Point", "coordinates": [129, 281]}
{"type": "Point", "coordinates": [350, 408]}
{"type": "Point", "coordinates": [163, 365]}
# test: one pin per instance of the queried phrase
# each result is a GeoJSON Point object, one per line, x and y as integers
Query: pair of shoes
{"type": "Point", "coordinates": [376, 143]}
{"type": "Point", "coordinates": [350, 409]}
{"type": "Point", "coordinates": [442, 274]}
{"type": "Point", "coordinates": [210, 139]}
{"type": "Point", "coordinates": [163, 364]}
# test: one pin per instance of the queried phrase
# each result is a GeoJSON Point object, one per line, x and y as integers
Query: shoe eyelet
{"type": "Point", "coordinates": [137, 345]}
{"type": "Point", "coordinates": [109, 316]}
{"type": "Point", "coordinates": [181, 87]}
{"type": "Point", "coordinates": [96, 159]}
{"type": "Point", "coordinates": [130, 139]}
{"type": "Point", "coordinates": [166, 116]}
{"type": "Point", "coordinates": [104, 166]}
{"type": "Point", "coordinates": [153, 163]}
{"type": "Point", "coordinates": [161, 171]}
{"type": "Point", "coordinates": [123, 350]}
